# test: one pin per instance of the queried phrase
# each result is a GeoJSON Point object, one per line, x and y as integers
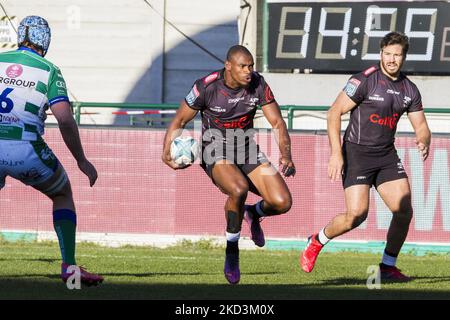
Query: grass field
{"type": "Point", "coordinates": [194, 271]}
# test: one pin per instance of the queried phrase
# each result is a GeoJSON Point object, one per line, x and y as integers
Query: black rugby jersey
{"type": "Point", "coordinates": [223, 108]}
{"type": "Point", "coordinates": [380, 103]}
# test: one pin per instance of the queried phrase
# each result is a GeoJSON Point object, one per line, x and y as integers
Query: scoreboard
{"type": "Point", "coordinates": [344, 37]}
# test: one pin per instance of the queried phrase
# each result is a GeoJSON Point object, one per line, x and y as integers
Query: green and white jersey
{"type": "Point", "coordinates": [29, 85]}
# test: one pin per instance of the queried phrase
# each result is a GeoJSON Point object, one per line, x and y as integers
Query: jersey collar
{"type": "Point", "coordinates": [23, 48]}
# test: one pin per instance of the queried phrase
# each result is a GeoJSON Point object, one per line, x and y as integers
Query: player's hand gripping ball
{"type": "Point", "coordinates": [184, 150]}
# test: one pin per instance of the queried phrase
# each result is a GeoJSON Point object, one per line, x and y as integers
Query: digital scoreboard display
{"type": "Point", "coordinates": [344, 37]}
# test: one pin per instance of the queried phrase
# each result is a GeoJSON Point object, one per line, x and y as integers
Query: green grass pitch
{"type": "Point", "coordinates": [195, 271]}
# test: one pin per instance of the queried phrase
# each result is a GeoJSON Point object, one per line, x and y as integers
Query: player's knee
{"type": "Point", "coordinates": [404, 214]}
{"type": "Point", "coordinates": [64, 193]}
{"type": "Point", "coordinates": [355, 217]}
{"type": "Point", "coordinates": [282, 203]}
{"type": "Point", "coordinates": [63, 197]}
{"type": "Point", "coordinates": [404, 210]}
{"type": "Point", "coordinates": [239, 190]}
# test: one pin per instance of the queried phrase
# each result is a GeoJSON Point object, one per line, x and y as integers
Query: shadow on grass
{"type": "Point", "coordinates": [48, 287]}
{"type": "Point", "coordinates": [358, 281]}
{"type": "Point", "coordinates": [48, 260]}
{"type": "Point", "coordinates": [125, 274]}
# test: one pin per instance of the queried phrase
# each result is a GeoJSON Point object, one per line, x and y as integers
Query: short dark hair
{"type": "Point", "coordinates": [395, 38]}
{"type": "Point", "coordinates": [237, 49]}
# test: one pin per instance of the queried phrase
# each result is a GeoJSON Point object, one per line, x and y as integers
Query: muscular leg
{"type": "Point", "coordinates": [58, 189]}
{"type": "Point", "coordinates": [396, 195]}
{"type": "Point", "coordinates": [357, 202]}
{"type": "Point", "coordinates": [272, 188]}
{"type": "Point", "coordinates": [231, 182]}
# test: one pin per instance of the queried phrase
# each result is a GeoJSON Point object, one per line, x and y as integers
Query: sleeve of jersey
{"type": "Point", "coordinates": [356, 88]}
{"type": "Point", "coordinates": [195, 97]}
{"type": "Point", "coordinates": [57, 91]}
{"type": "Point", "coordinates": [266, 94]}
{"type": "Point", "coordinates": [416, 103]}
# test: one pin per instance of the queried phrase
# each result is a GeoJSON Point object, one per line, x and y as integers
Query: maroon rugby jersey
{"type": "Point", "coordinates": [380, 104]}
{"type": "Point", "coordinates": [224, 108]}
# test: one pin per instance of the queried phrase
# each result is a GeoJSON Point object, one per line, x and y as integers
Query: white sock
{"type": "Point", "coordinates": [323, 239]}
{"type": "Point", "coordinates": [389, 260]}
{"type": "Point", "coordinates": [259, 209]}
{"type": "Point", "coordinates": [233, 237]}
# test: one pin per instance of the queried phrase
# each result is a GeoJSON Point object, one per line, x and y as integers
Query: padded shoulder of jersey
{"type": "Point", "coordinates": [369, 71]}
{"type": "Point", "coordinates": [211, 78]}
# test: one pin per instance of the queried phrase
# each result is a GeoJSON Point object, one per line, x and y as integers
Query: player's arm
{"type": "Point", "coordinates": [340, 106]}
{"type": "Point", "coordinates": [69, 131]}
{"type": "Point", "coordinates": [183, 116]}
{"type": "Point", "coordinates": [423, 134]}
{"type": "Point", "coordinates": [272, 113]}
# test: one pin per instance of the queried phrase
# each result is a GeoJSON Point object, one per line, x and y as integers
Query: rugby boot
{"type": "Point", "coordinates": [255, 227]}
{"type": "Point", "coordinates": [309, 255]}
{"type": "Point", "coordinates": [231, 269]}
{"type": "Point", "coordinates": [86, 278]}
{"type": "Point", "coordinates": [392, 274]}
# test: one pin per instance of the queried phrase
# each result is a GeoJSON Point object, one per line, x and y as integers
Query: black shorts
{"type": "Point", "coordinates": [246, 159]}
{"type": "Point", "coordinates": [370, 165]}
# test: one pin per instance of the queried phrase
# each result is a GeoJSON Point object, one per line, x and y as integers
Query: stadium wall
{"type": "Point", "coordinates": [122, 51]}
{"type": "Point", "coordinates": [139, 200]}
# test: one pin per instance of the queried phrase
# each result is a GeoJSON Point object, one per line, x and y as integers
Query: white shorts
{"type": "Point", "coordinates": [31, 162]}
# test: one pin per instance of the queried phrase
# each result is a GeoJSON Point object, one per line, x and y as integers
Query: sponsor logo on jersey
{"type": "Point", "coordinates": [17, 82]}
{"type": "Point", "coordinates": [352, 85]}
{"type": "Point", "coordinates": [32, 174]}
{"type": "Point", "coordinates": [235, 100]}
{"type": "Point", "coordinates": [47, 154]}
{"type": "Point", "coordinates": [61, 84]}
{"type": "Point", "coordinates": [406, 102]}
{"type": "Point", "coordinates": [361, 178]}
{"type": "Point", "coordinates": [192, 95]}
{"type": "Point", "coordinates": [376, 98]}
{"type": "Point", "coordinates": [390, 91]}
{"type": "Point", "coordinates": [211, 77]}
{"type": "Point", "coordinates": [218, 109]}
{"type": "Point", "coordinates": [8, 119]}
{"type": "Point", "coordinates": [241, 123]}
{"type": "Point", "coordinates": [388, 121]}
{"type": "Point", "coordinates": [11, 163]}
{"type": "Point", "coordinates": [14, 71]}
{"type": "Point", "coordinates": [253, 101]}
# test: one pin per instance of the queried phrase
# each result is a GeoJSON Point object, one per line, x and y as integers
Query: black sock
{"type": "Point", "coordinates": [390, 254]}
{"type": "Point", "coordinates": [254, 211]}
{"type": "Point", "coordinates": [232, 247]}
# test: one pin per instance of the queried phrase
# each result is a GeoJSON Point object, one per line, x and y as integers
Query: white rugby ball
{"type": "Point", "coordinates": [184, 150]}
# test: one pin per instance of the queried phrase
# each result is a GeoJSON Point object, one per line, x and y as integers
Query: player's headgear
{"type": "Point", "coordinates": [36, 31]}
